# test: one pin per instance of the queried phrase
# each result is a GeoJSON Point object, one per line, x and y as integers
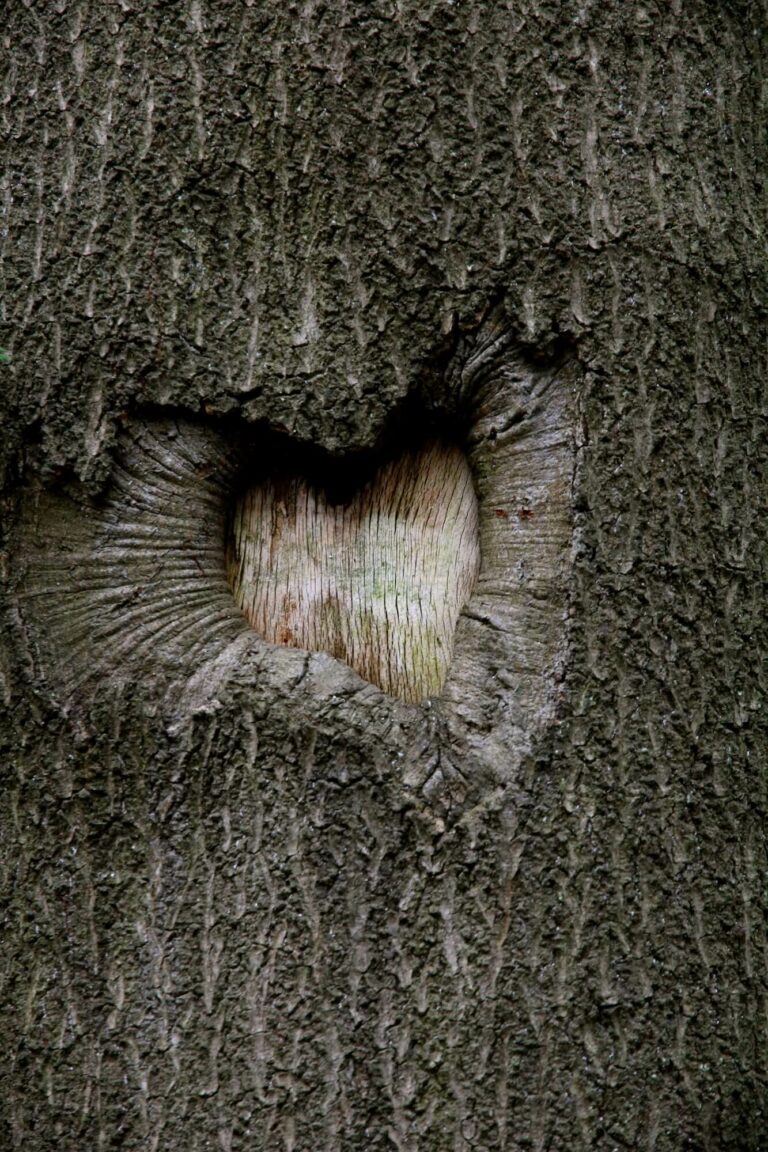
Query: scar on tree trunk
{"type": "Point", "coordinates": [377, 581]}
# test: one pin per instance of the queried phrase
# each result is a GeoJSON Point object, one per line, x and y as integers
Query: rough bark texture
{"type": "Point", "coordinates": [256, 904]}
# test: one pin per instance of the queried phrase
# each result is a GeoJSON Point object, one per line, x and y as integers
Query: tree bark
{"type": "Point", "coordinates": [251, 900]}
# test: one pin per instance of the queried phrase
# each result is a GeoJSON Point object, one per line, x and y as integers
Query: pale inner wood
{"type": "Point", "coordinates": [378, 582]}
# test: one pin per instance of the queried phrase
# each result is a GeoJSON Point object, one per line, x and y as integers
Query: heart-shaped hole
{"type": "Point", "coordinates": [377, 580]}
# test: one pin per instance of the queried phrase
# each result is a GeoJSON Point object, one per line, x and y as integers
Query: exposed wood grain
{"type": "Point", "coordinates": [378, 581]}
{"type": "Point", "coordinates": [444, 577]}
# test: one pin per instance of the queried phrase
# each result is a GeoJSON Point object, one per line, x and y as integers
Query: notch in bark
{"type": "Point", "coordinates": [443, 575]}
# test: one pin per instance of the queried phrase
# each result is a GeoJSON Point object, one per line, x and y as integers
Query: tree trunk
{"type": "Point", "coordinates": [503, 889]}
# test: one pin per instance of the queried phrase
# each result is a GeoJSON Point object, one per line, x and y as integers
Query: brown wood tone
{"type": "Point", "coordinates": [377, 582]}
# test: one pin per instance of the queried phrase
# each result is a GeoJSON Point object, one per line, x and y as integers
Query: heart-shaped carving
{"type": "Point", "coordinates": [378, 581]}
{"type": "Point", "coordinates": [134, 583]}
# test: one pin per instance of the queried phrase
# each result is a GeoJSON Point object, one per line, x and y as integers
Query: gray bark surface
{"type": "Point", "coordinates": [249, 901]}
